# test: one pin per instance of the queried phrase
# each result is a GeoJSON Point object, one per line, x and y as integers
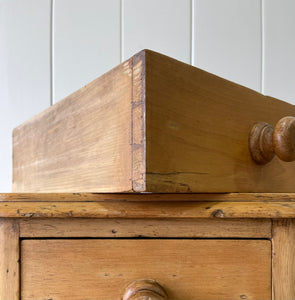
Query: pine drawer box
{"type": "Point", "coordinates": [152, 124]}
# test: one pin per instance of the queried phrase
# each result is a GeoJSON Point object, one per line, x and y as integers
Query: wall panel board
{"type": "Point", "coordinates": [24, 71]}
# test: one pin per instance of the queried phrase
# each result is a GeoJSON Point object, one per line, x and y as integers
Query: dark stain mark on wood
{"type": "Point", "coordinates": [185, 185]}
{"type": "Point", "coordinates": [136, 146]}
{"type": "Point", "coordinates": [287, 205]}
{"type": "Point", "coordinates": [177, 173]}
{"type": "Point", "coordinates": [29, 215]}
{"type": "Point", "coordinates": [218, 213]}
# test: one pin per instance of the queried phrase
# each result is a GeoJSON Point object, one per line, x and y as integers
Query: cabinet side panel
{"type": "Point", "coordinates": [198, 127]}
{"type": "Point", "coordinates": [283, 259]}
{"type": "Point", "coordinates": [9, 259]}
{"type": "Point", "coordinates": [81, 143]}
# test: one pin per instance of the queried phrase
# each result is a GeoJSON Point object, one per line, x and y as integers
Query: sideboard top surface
{"type": "Point", "coordinates": [147, 206]}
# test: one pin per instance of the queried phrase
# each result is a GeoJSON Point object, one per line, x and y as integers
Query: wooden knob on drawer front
{"type": "Point", "coordinates": [265, 142]}
{"type": "Point", "coordinates": [145, 289]}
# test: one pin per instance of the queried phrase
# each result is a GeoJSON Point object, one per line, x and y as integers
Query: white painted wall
{"type": "Point", "coordinates": [50, 48]}
{"type": "Point", "coordinates": [25, 86]}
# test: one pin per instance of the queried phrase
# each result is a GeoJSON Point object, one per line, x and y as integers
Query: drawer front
{"type": "Point", "coordinates": [187, 269]}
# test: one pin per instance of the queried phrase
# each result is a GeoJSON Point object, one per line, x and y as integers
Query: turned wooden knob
{"type": "Point", "coordinates": [145, 289]}
{"type": "Point", "coordinates": [265, 142]}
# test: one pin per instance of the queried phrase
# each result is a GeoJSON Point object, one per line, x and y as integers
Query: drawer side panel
{"type": "Point", "coordinates": [82, 143]}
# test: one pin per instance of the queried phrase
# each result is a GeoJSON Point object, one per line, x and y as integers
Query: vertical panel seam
{"type": "Point", "coordinates": [52, 52]}
{"type": "Point", "coordinates": [122, 30]}
{"type": "Point", "coordinates": [17, 225]}
{"type": "Point", "coordinates": [262, 83]}
{"type": "Point", "coordinates": [192, 32]}
{"type": "Point", "coordinates": [272, 255]}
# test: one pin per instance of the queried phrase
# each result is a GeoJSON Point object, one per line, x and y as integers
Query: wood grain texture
{"type": "Point", "coordinates": [138, 123]}
{"type": "Point", "coordinates": [283, 260]}
{"type": "Point", "coordinates": [81, 143]}
{"type": "Point", "coordinates": [146, 210]}
{"type": "Point", "coordinates": [153, 228]}
{"type": "Point", "coordinates": [197, 132]}
{"type": "Point", "coordinates": [147, 197]}
{"type": "Point", "coordinates": [9, 260]}
{"type": "Point", "coordinates": [187, 269]}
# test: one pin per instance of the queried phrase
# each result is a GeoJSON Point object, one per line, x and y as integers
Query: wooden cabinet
{"type": "Point", "coordinates": [156, 181]}
{"type": "Point", "coordinates": [92, 246]}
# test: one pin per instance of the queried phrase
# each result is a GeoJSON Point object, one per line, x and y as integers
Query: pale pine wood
{"type": "Point", "coordinates": [146, 210]}
{"type": "Point", "coordinates": [154, 228]}
{"type": "Point", "coordinates": [138, 123]}
{"type": "Point", "coordinates": [152, 124]}
{"type": "Point", "coordinates": [9, 260]}
{"type": "Point", "coordinates": [147, 197]}
{"type": "Point", "coordinates": [187, 269]}
{"type": "Point", "coordinates": [197, 132]}
{"type": "Point", "coordinates": [81, 143]}
{"type": "Point", "coordinates": [283, 260]}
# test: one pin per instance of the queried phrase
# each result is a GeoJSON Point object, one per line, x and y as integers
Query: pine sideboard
{"type": "Point", "coordinates": [156, 181]}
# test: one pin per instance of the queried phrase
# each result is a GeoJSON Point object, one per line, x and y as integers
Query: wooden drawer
{"type": "Point", "coordinates": [152, 124]}
{"type": "Point", "coordinates": [188, 269]}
